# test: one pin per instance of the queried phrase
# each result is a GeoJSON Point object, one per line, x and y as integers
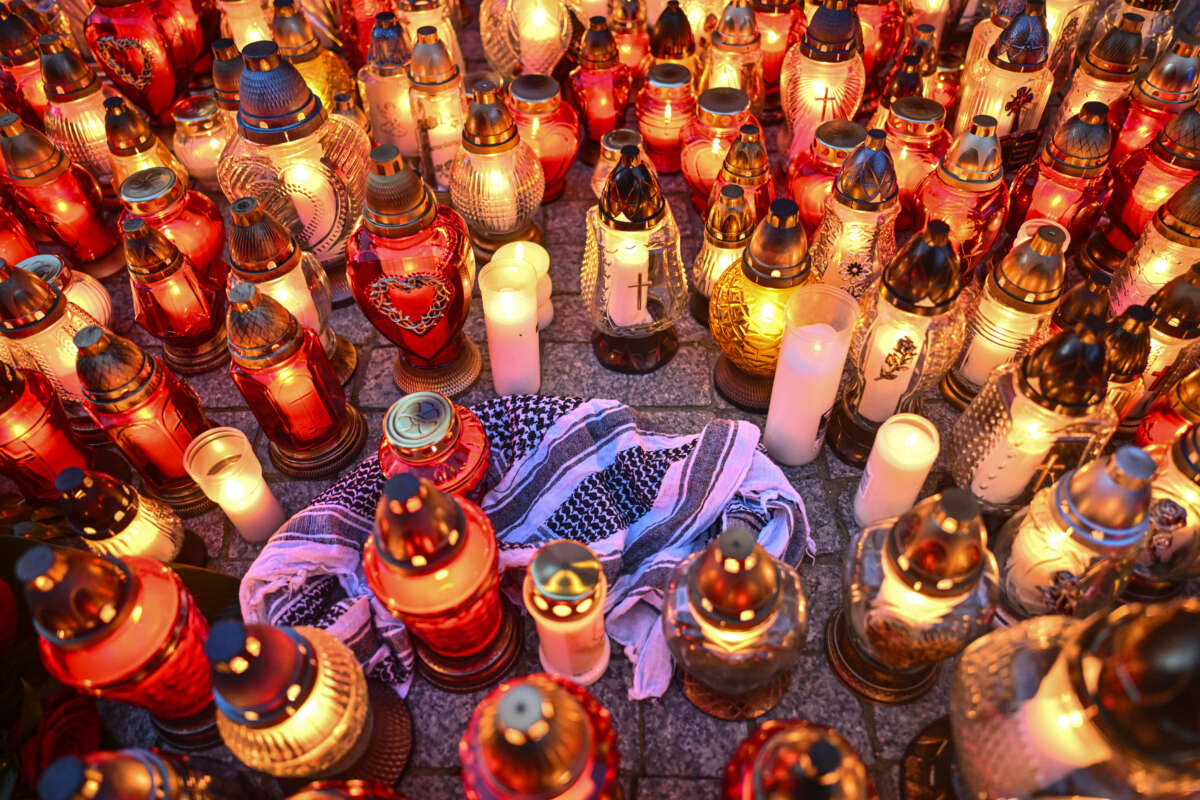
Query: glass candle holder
{"type": "Point", "coordinates": [174, 301]}
{"type": "Point", "coordinates": [918, 589]}
{"type": "Point", "coordinates": [496, 180]}
{"type": "Point", "coordinates": [914, 129]}
{"type": "Point", "coordinates": [1172, 412]}
{"type": "Point", "coordinates": [222, 463]}
{"type": "Point", "coordinates": [305, 166]}
{"type": "Point", "coordinates": [633, 278]}
{"type": "Point", "coordinates": [905, 81]}
{"type": "Point", "coordinates": [1173, 339]}
{"type": "Point", "coordinates": [526, 35]}
{"type": "Point", "coordinates": [345, 104]}
{"type": "Point", "coordinates": [78, 288]}
{"type": "Point", "coordinates": [812, 355]}
{"type": "Point", "coordinates": [289, 384]}
{"type": "Point", "coordinates": [601, 86]}
{"type": "Point", "coordinates": [910, 331]}
{"type": "Point", "coordinates": [823, 76]}
{"type": "Point", "coordinates": [539, 735]}
{"type": "Point", "coordinates": [226, 77]}
{"type": "Point", "coordinates": [427, 435]}
{"type": "Point", "coordinates": [20, 63]}
{"type": "Point", "coordinates": [673, 41]}
{"type": "Point", "coordinates": [134, 774]}
{"type": "Point", "coordinates": [384, 88]}
{"type": "Point", "coordinates": [747, 165]}
{"type": "Point", "coordinates": [769, 758]}
{"type": "Point", "coordinates": [857, 234]}
{"type": "Point", "coordinates": [432, 561]}
{"type": "Point", "coordinates": [735, 58]}
{"type": "Point", "coordinates": [323, 70]}
{"type": "Point", "coordinates": [719, 117]}
{"type": "Point", "coordinates": [1156, 31]}
{"type": "Point", "coordinates": [811, 174]}
{"type": "Point", "coordinates": [509, 293]}
{"type": "Point", "coordinates": [727, 230]}
{"type": "Point", "coordinates": [748, 308]}
{"type": "Point", "coordinates": [1106, 74]}
{"type": "Point", "coordinates": [666, 105]}
{"type": "Point", "coordinates": [145, 411]}
{"type": "Point", "coordinates": [115, 519]}
{"type": "Point", "coordinates": [202, 133]}
{"type": "Point", "coordinates": [734, 619]}
{"type": "Point", "coordinates": [610, 155]}
{"type": "Point", "coordinates": [61, 198]}
{"type": "Point", "coordinates": [354, 24]}
{"type": "Point", "coordinates": [774, 20]}
{"type": "Point", "coordinates": [1034, 419]}
{"type": "Point", "coordinates": [132, 146]}
{"type": "Point", "coordinates": [1170, 554]}
{"type": "Point", "coordinates": [265, 253]}
{"type": "Point", "coordinates": [405, 246]}
{"type": "Point", "coordinates": [947, 82]}
{"type": "Point", "coordinates": [564, 592]}
{"type": "Point", "coordinates": [1018, 297]}
{"type": "Point", "coordinates": [1076, 562]}
{"type": "Point", "coordinates": [246, 21]}
{"type": "Point", "coordinates": [189, 219]}
{"type": "Point", "coordinates": [291, 702]}
{"type": "Point", "coordinates": [416, 14]}
{"type": "Point", "coordinates": [627, 19]}
{"type": "Point", "coordinates": [902, 455]}
{"type": "Point", "coordinates": [1165, 250]}
{"type": "Point", "coordinates": [1128, 343]}
{"type": "Point", "coordinates": [1011, 84]}
{"type": "Point", "coordinates": [550, 126]}
{"type": "Point", "coordinates": [38, 440]}
{"type": "Point", "coordinates": [1166, 90]}
{"type": "Point", "coordinates": [140, 641]}
{"type": "Point", "coordinates": [16, 244]}
{"type": "Point", "coordinates": [538, 258]}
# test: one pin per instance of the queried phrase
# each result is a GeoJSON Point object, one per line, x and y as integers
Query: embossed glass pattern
{"type": "Point", "coordinates": [497, 193]}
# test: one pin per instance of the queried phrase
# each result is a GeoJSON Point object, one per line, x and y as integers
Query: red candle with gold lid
{"type": "Point", "coordinates": [36, 440]}
{"type": "Point", "coordinates": [550, 126]}
{"type": "Point", "coordinates": [425, 434]}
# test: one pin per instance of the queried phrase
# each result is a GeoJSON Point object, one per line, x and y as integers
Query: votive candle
{"type": "Point", "coordinates": [222, 463]}
{"type": "Point", "coordinates": [564, 592]}
{"type": "Point", "coordinates": [903, 453]}
{"type": "Point", "coordinates": [537, 257]}
{"type": "Point", "coordinates": [509, 292]}
{"type": "Point", "coordinates": [820, 320]}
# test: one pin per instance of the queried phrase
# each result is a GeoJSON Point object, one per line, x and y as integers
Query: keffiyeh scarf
{"type": "Point", "coordinates": [561, 468]}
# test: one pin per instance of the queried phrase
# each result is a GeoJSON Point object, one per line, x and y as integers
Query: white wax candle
{"type": "Point", "coordinates": [1007, 467]}
{"type": "Point", "coordinates": [222, 463]}
{"type": "Point", "coordinates": [292, 292]}
{"type": "Point", "coordinates": [508, 289]}
{"type": "Point", "coordinates": [893, 355]}
{"type": "Point", "coordinates": [250, 506]}
{"type": "Point", "coordinates": [629, 284]}
{"type": "Point", "coordinates": [1058, 732]}
{"type": "Point", "coordinates": [390, 111]}
{"type": "Point", "coordinates": [811, 358]}
{"type": "Point", "coordinates": [999, 333]}
{"type": "Point", "coordinates": [537, 257]}
{"type": "Point", "coordinates": [576, 649]}
{"type": "Point", "coordinates": [905, 448]}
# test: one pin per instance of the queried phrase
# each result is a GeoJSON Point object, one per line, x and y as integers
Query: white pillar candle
{"type": "Point", "coordinates": [222, 463]}
{"type": "Point", "coordinates": [628, 284]}
{"type": "Point", "coordinates": [564, 592]}
{"type": "Point", "coordinates": [905, 448]}
{"type": "Point", "coordinates": [820, 320]}
{"type": "Point", "coordinates": [509, 292]}
{"type": "Point", "coordinates": [537, 257]}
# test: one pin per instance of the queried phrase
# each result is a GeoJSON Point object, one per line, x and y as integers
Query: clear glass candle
{"type": "Point", "coordinates": [1157, 27]}
{"type": "Point", "coordinates": [323, 70]}
{"type": "Point", "coordinates": [549, 125]}
{"type": "Point", "coordinates": [201, 135]}
{"type": "Point", "coordinates": [811, 174]}
{"type": "Point", "coordinates": [416, 14]}
{"type": "Point", "coordinates": [747, 165]}
{"type": "Point", "coordinates": [383, 85]}
{"type": "Point", "coordinates": [115, 519]}
{"type": "Point", "coordinates": [1167, 248]}
{"type": "Point", "coordinates": [75, 112]}
{"type": "Point", "coordinates": [132, 146]}
{"type": "Point", "coordinates": [222, 463]}
{"type": "Point", "coordinates": [79, 288]}
{"type": "Point", "coordinates": [735, 56]}
{"type": "Point", "coordinates": [610, 155]}
{"type": "Point", "coordinates": [1157, 97]}
{"type": "Point", "coordinates": [727, 230]}
{"type": "Point", "coordinates": [1106, 74]}
{"type": "Point", "coordinates": [439, 107]}
{"type": "Point", "coordinates": [666, 105]}
{"type": "Point", "coordinates": [529, 36]}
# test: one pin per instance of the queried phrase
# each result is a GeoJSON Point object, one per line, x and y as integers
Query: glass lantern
{"type": "Point", "coordinates": [1018, 297]}
{"type": "Point", "coordinates": [323, 70]}
{"type": "Point", "coordinates": [1174, 339]}
{"type": "Point", "coordinates": [383, 85]}
{"type": "Point", "coordinates": [666, 105]}
{"type": "Point", "coordinates": [549, 125]}
{"type": "Point", "coordinates": [720, 115]}
{"type": "Point", "coordinates": [427, 435]}
{"type": "Point", "coordinates": [1128, 343]}
{"type": "Point", "coordinates": [627, 18]}
{"type": "Point", "coordinates": [735, 56]}
{"type": "Point", "coordinates": [137, 639]}
{"type": "Point", "coordinates": [910, 331]}
{"type": "Point", "coordinates": [1157, 29]}
{"type": "Point", "coordinates": [20, 64]}
{"type": "Point", "coordinates": [748, 166]}
{"type": "Point", "coordinates": [145, 411]}
{"type": "Point", "coordinates": [202, 132]}
{"type": "Point", "coordinates": [920, 143]}
{"type": "Point", "coordinates": [528, 36]}
{"type": "Point", "coordinates": [747, 311]}
{"type": "Point", "coordinates": [75, 114]}
{"type": "Point", "coordinates": [857, 234]}
{"type": "Point", "coordinates": [1172, 413]}
{"type": "Point", "coordinates": [226, 77]}
{"type": "Point", "coordinates": [289, 383]}
{"type": "Point", "coordinates": [432, 561]}
{"type": "Point", "coordinates": [823, 76]}
{"type": "Point", "coordinates": [727, 231]}
{"type": "Point", "coordinates": [672, 41]}
{"type": "Point", "coordinates": [1106, 74]}
{"type": "Point", "coordinates": [1056, 707]}
{"type": "Point", "coordinates": [735, 619]}
{"type": "Point", "coordinates": [1166, 90]}
{"type": "Point", "coordinates": [1170, 553]}
{"type": "Point", "coordinates": [1035, 419]}
{"type": "Point", "coordinates": [796, 758]}
{"type": "Point", "coordinates": [811, 174]}
{"type": "Point", "coordinates": [404, 246]}
{"type": "Point", "coordinates": [1071, 550]}
{"type": "Point", "coordinates": [633, 279]}
{"type": "Point", "coordinates": [265, 253]}
{"type": "Point", "coordinates": [416, 14]}
{"type": "Point", "coordinates": [540, 736]}
{"type": "Point", "coordinates": [115, 519]}
{"type": "Point", "coordinates": [306, 167]}
{"type": "Point", "coordinates": [774, 20]}
{"type": "Point", "coordinates": [1167, 248]}
{"type": "Point", "coordinates": [918, 588]}
{"type": "Point", "coordinates": [79, 288]}
{"type": "Point", "coordinates": [564, 592]}
{"type": "Point", "coordinates": [132, 146]}
{"type": "Point", "coordinates": [905, 81]}
{"type": "Point", "coordinates": [600, 85]}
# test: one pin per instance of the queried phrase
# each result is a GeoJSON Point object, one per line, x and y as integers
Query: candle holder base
{"type": "Point", "coordinates": [1144, 590]}
{"type": "Point", "coordinates": [451, 380]}
{"type": "Point", "coordinates": [389, 743]}
{"type": "Point", "coordinates": [1098, 255]}
{"type": "Point", "coordinates": [197, 359]}
{"type": "Point", "coordinates": [955, 392]}
{"type": "Point", "coordinates": [105, 266]}
{"type": "Point", "coordinates": [747, 392]}
{"type": "Point", "coordinates": [698, 305]}
{"type": "Point", "coordinates": [848, 441]}
{"type": "Point", "coordinates": [478, 671]}
{"type": "Point", "coordinates": [585, 678]}
{"type": "Point", "coordinates": [330, 460]}
{"type": "Point", "coordinates": [186, 499]}
{"type": "Point", "coordinates": [635, 356]}
{"type": "Point", "coordinates": [928, 770]}
{"type": "Point", "coordinates": [867, 680]}
{"type": "Point", "coordinates": [486, 246]}
{"type": "Point", "coordinates": [749, 705]}
{"type": "Point", "coordinates": [195, 732]}
{"type": "Point", "coordinates": [344, 358]}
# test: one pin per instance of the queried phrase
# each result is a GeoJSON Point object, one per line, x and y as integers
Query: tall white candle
{"type": "Point", "coordinates": [820, 320]}
{"type": "Point", "coordinates": [629, 284]}
{"type": "Point", "coordinates": [222, 463]}
{"type": "Point", "coordinates": [905, 448]}
{"type": "Point", "coordinates": [509, 293]}
{"type": "Point", "coordinates": [537, 257]}
{"type": "Point", "coordinates": [893, 355]}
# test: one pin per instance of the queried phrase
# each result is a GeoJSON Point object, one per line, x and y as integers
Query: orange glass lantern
{"type": "Point", "coordinates": [550, 126]}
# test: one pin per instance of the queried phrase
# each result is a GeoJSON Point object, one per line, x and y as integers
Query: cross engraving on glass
{"type": "Point", "coordinates": [638, 285]}
{"type": "Point", "coordinates": [825, 99]}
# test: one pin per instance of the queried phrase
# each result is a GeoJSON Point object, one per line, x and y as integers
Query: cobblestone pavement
{"type": "Point", "coordinates": [668, 748]}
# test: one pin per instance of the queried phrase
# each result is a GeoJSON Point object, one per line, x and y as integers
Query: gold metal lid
{"type": "Point", "coordinates": [260, 248]}
{"type": "Point", "coordinates": [836, 139]}
{"type": "Point", "coordinates": [746, 163]}
{"type": "Point", "coordinates": [1088, 298]}
{"type": "Point", "coordinates": [199, 112]}
{"type": "Point", "coordinates": [627, 16]}
{"type": "Point", "coordinates": [115, 373]}
{"type": "Point", "coordinates": [1178, 219]}
{"type": "Point", "coordinates": [535, 93]}
{"type": "Point", "coordinates": [1116, 56]}
{"type": "Point", "coordinates": [777, 254]}
{"type": "Point", "coordinates": [616, 140]}
{"type": "Point", "coordinates": [30, 158]}
{"type": "Point", "coordinates": [973, 161]}
{"type": "Point", "coordinates": [1033, 274]}
{"type": "Point", "coordinates": [907, 81]}
{"type": "Point", "coordinates": [387, 53]}
{"type": "Point", "coordinates": [275, 104]}
{"type": "Point", "coordinates": [671, 38]}
{"type": "Point", "coordinates": [939, 547]}
{"type": "Point", "coordinates": [729, 223]}
{"type": "Point", "coordinates": [567, 578]}
{"type": "Point", "coordinates": [925, 276]}
{"type": "Point", "coordinates": [722, 106]}
{"type": "Point", "coordinates": [867, 178]}
{"type": "Point", "coordinates": [489, 127]}
{"type": "Point", "coordinates": [126, 129]}
{"type": "Point", "coordinates": [915, 116]}
{"type": "Point", "coordinates": [149, 191]}
{"type": "Point", "coordinates": [226, 73]}
{"type": "Point", "coordinates": [1171, 82]}
{"type": "Point", "coordinates": [1184, 399]}
{"type": "Point", "coordinates": [18, 40]}
{"type": "Point", "coordinates": [149, 255]}
{"type": "Point", "coordinates": [734, 584]}
{"type": "Point", "coordinates": [261, 674]}
{"type": "Point", "coordinates": [421, 426]}
{"type": "Point", "coordinates": [632, 200]}
{"type": "Point", "coordinates": [1068, 373]}
{"type": "Point", "coordinates": [737, 29]}
{"type": "Point", "coordinates": [670, 76]}
{"type": "Point", "coordinates": [28, 304]}
{"type": "Point", "coordinates": [292, 32]}
{"type": "Point", "coordinates": [598, 48]}
{"type": "Point", "coordinates": [418, 527]}
{"type": "Point", "coordinates": [96, 506]}
{"type": "Point", "coordinates": [1128, 343]}
{"type": "Point", "coordinates": [1179, 142]}
{"type": "Point", "coordinates": [1176, 306]}
{"type": "Point", "coordinates": [1080, 147]}
{"type": "Point", "coordinates": [833, 33]}
{"type": "Point", "coordinates": [261, 331]}
{"type": "Point", "coordinates": [398, 203]}
{"type": "Point", "coordinates": [65, 76]}
{"type": "Point", "coordinates": [75, 598]}
{"type": "Point", "coordinates": [1024, 46]}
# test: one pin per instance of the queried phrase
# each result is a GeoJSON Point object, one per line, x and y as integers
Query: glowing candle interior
{"type": "Point", "coordinates": [903, 453]}
{"type": "Point", "coordinates": [509, 293]}
{"type": "Point", "coordinates": [222, 463]}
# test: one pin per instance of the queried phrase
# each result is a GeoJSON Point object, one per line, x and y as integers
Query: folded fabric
{"type": "Point", "coordinates": [561, 468]}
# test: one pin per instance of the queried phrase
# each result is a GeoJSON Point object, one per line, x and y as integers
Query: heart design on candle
{"type": "Point", "coordinates": [388, 292]}
{"type": "Point", "coordinates": [126, 60]}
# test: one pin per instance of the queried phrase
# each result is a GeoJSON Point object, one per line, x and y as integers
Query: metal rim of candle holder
{"type": "Point", "coordinates": [747, 392]}
{"type": "Point", "coordinates": [478, 671]}
{"type": "Point", "coordinates": [635, 355]}
{"type": "Point", "coordinates": [748, 705]}
{"type": "Point", "coordinates": [186, 500]}
{"type": "Point", "coordinates": [328, 461]}
{"type": "Point", "coordinates": [847, 440]}
{"type": "Point", "coordinates": [200, 358]}
{"type": "Point", "coordinates": [956, 392]}
{"type": "Point", "coordinates": [885, 687]}
{"type": "Point", "coordinates": [451, 380]}
{"type": "Point", "coordinates": [344, 358]}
